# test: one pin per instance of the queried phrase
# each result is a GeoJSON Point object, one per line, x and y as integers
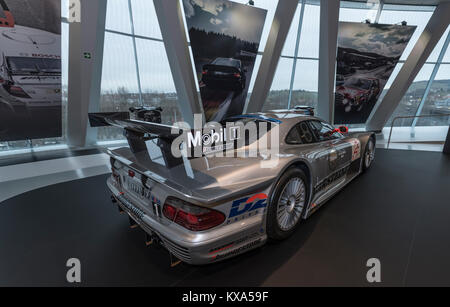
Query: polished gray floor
{"type": "Point", "coordinates": [397, 212]}
{"type": "Point", "coordinates": [20, 178]}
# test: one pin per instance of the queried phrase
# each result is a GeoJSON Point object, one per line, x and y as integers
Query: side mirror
{"type": "Point", "coordinates": [343, 129]}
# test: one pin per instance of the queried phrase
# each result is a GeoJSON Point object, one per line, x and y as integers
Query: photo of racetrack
{"type": "Point", "coordinates": [366, 57]}
{"type": "Point", "coordinates": [30, 69]}
{"type": "Point", "coordinates": [225, 38]}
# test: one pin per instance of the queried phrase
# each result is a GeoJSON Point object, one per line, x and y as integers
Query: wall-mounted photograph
{"type": "Point", "coordinates": [366, 57]}
{"type": "Point", "coordinates": [225, 38]}
{"type": "Point", "coordinates": [30, 69]}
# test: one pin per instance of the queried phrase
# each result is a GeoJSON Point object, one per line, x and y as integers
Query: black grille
{"type": "Point", "coordinates": [181, 252]}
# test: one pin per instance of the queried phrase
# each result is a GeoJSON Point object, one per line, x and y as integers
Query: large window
{"type": "Point", "coordinates": [136, 70]}
{"type": "Point", "coordinates": [296, 78]}
{"type": "Point", "coordinates": [420, 101]}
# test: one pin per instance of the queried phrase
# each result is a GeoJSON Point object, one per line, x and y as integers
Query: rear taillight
{"type": "Point", "coordinates": [17, 91]}
{"type": "Point", "coordinates": [237, 75]}
{"type": "Point", "coordinates": [191, 217]}
{"type": "Point", "coordinates": [204, 72]}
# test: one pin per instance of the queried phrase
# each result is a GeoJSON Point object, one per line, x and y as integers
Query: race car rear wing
{"type": "Point", "coordinates": [138, 133]}
{"type": "Point", "coordinates": [122, 120]}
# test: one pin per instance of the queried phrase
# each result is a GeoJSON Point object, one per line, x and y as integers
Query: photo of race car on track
{"type": "Point", "coordinates": [366, 57]}
{"type": "Point", "coordinates": [357, 92]}
{"type": "Point", "coordinates": [209, 208]}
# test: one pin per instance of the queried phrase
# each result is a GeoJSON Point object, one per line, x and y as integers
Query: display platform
{"type": "Point", "coordinates": [398, 212]}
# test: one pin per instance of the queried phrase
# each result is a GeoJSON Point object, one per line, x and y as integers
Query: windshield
{"type": "Point", "coordinates": [226, 62]}
{"type": "Point", "coordinates": [33, 65]}
{"type": "Point", "coordinates": [359, 83]}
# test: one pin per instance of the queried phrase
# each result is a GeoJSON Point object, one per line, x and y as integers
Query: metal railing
{"type": "Point", "coordinates": [403, 117]}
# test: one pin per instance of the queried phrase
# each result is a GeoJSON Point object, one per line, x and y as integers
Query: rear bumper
{"type": "Point", "coordinates": [224, 82]}
{"type": "Point", "coordinates": [192, 247]}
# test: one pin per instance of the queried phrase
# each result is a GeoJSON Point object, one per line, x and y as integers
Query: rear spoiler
{"type": "Point", "coordinates": [138, 127]}
{"type": "Point", "coordinates": [139, 132]}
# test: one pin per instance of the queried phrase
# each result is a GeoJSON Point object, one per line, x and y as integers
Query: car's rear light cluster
{"type": "Point", "coordinates": [191, 217]}
{"type": "Point", "coordinates": [17, 91]}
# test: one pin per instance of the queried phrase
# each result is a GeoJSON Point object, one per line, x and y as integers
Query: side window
{"type": "Point", "coordinates": [293, 136]}
{"type": "Point", "coordinates": [300, 134]}
{"type": "Point", "coordinates": [324, 131]}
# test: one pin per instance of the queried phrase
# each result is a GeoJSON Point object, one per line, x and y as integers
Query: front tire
{"type": "Point", "coordinates": [289, 202]}
{"type": "Point", "coordinates": [369, 154]}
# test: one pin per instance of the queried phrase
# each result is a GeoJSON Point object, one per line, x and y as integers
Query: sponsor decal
{"type": "Point", "coordinates": [248, 204]}
{"type": "Point", "coordinates": [331, 179]}
{"type": "Point", "coordinates": [48, 56]}
{"type": "Point", "coordinates": [229, 245]}
{"type": "Point", "coordinates": [214, 141]}
{"type": "Point", "coordinates": [356, 149]}
{"type": "Point", "coordinates": [239, 250]}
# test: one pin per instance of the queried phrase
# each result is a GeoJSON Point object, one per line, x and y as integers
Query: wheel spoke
{"type": "Point", "coordinates": [291, 203]}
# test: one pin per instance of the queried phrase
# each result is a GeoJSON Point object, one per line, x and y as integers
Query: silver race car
{"type": "Point", "coordinates": [209, 208]}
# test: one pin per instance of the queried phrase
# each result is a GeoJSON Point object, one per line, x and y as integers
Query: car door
{"type": "Point", "coordinates": [315, 151]}
{"type": "Point", "coordinates": [335, 157]}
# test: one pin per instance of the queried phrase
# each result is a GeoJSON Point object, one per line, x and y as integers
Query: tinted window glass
{"type": "Point", "coordinates": [226, 62]}
{"type": "Point", "coordinates": [300, 134]}
{"type": "Point", "coordinates": [28, 64]}
{"type": "Point", "coordinates": [293, 137]}
{"type": "Point", "coordinates": [324, 131]}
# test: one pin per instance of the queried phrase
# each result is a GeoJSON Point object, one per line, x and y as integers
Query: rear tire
{"type": "Point", "coordinates": [288, 204]}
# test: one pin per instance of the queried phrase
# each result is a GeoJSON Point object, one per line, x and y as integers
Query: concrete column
{"type": "Point", "coordinates": [85, 70]}
{"type": "Point", "coordinates": [447, 143]}
{"type": "Point", "coordinates": [329, 23]}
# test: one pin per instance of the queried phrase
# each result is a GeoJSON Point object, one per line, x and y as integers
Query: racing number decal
{"type": "Point", "coordinates": [8, 20]}
{"type": "Point", "coordinates": [356, 149]}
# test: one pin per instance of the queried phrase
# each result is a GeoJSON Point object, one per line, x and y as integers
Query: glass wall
{"type": "Point", "coordinates": [136, 70]}
{"type": "Point", "coordinates": [435, 101]}
{"type": "Point", "coordinates": [292, 87]}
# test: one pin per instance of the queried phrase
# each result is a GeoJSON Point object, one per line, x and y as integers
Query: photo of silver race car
{"type": "Point", "coordinates": [209, 208]}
